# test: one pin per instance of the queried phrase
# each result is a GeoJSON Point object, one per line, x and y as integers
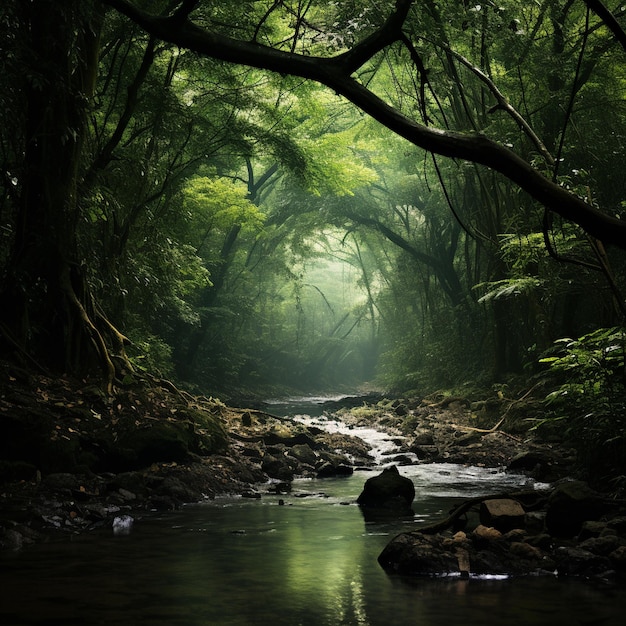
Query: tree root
{"type": "Point", "coordinates": [463, 508]}
{"type": "Point", "coordinates": [94, 334]}
{"type": "Point", "coordinates": [120, 340]}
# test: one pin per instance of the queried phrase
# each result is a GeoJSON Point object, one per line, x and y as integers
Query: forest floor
{"type": "Point", "coordinates": [72, 458]}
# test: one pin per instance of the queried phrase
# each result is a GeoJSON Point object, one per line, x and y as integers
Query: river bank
{"type": "Point", "coordinates": [104, 461]}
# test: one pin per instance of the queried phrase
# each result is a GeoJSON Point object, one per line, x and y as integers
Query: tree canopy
{"type": "Point", "coordinates": [309, 193]}
{"type": "Point", "coordinates": [337, 71]}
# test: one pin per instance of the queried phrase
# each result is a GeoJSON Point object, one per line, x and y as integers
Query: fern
{"type": "Point", "coordinates": [508, 288]}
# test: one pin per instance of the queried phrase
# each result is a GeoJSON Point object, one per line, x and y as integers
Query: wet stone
{"type": "Point", "coordinates": [388, 490]}
{"type": "Point", "coordinates": [502, 513]}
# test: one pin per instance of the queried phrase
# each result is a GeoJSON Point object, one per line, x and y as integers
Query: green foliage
{"type": "Point", "coordinates": [508, 288]}
{"type": "Point", "coordinates": [589, 401]}
{"type": "Point", "coordinates": [163, 281]}
{"type": "Point", "coordinates": [593, 366]}
{"type": "Point", "coordinates": [332, 168]}
{"type": "Point", "coordinates": [214, 203]}
{"type": "Point", "coordinates": [150, 353]}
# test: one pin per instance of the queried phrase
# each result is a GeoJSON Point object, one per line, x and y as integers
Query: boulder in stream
{"type": "Point", "coordinates": [389, 491]}
{"type": "Point", "coordinates": [569, 506]}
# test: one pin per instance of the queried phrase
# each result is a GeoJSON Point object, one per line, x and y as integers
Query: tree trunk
{"type": "Point", "coordinates": [47, 310]}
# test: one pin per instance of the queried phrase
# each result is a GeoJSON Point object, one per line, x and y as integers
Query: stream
{"type": "Point", "coordinates": [308, 560]}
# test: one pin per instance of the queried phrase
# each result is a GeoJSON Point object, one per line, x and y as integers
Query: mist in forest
{"type": "Point", "coordinates": [236, 226]}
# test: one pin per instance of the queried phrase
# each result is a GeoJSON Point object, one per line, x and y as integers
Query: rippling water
{"type": "Point", "coordinates": [311, 561]}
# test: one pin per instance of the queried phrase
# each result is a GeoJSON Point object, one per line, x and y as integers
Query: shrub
{"type": "Point", "coordinates": [588, 378]}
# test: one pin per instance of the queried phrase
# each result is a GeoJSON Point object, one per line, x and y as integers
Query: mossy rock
{"type": "Point", "coordinates": [209, 435]}
{"type": "Point", "coordinates": [153, 443]}
{"type": "Point", "coordinates": [409, 424]}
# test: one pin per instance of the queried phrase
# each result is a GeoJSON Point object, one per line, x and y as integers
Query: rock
{"type": "Point", "coordinates": [10, 539]}
{"type": "Point", "coordinates": [423, 438]}
{"type": "Point", "coordinates": [489, 562]}
{"type": "Point", "coordinates": [252, 451]}
{"type": "Point", "coordinates": [484, 551]}
{"type": "Point", "coordinates": [156, 442]}
{"type": "Point", "coordinates": [466, 439]}
{"type": "Point", "coordinates": [602, 546]}
{"type": "Point", "coordinates": [539, 465]}
{"type": "Point", "coordinates": [96, 512]}
{"type": "Point", "coordinates": [280, 487]}
{"type": "Point", "coordinates": [174, 488]}
{"type": "Point", "coordinates": [502, 513]}
{"type": "Point", "coordinates": [618, 558]}
{"type": "Point", "coordinates": [289, 439]}
{"type": "Point", "coordinates": [162, 503]}
{"type": "Point", "coordinates": [527, 461]}
{"type": "Point", "coordinates": [351, 401]}
{"type": "Point", "coordinates": [356, 448]}
{"type": "Point", "coordinates": [590, 529]}
{"type": "Point", "coordinates": [122, 524]}
{"type": "Point", "coordinates": [524, 550]}
{"type": "Point", "coordinates": [328, 470]}
{"type": "Point", "coordinates": [425, 452]}
{"type": "Point", "coordinates": [459, 540]}
{"type": "Point", "coordinates": [278, 467]}
{"type": "Point", "coordinates": [534, 522]}
{"type": "Point", "coordinates": [486, 533]}
{"type": "Point", "coordinates": [127, 495]}
{"type": "Point", "coordinates": [388, 490]}
{"type": "Point", "coordinates": [573, 561]}
{"type": "Point", "coordinates": [402, 459]}
{"type": "Point", "coordinates": [133, 482]}
{"type": "Point", "coordinates": [569, 505]}
{"type": "Point", "coordinates": [415, 554]}
{"type": "Point", "coordinates": [543, 541]}
{"type": "Point", "coordinates": [61, 482]}
{"type": "Point", "coordinates": [618, 524]}
{"type": "Point", "coordinates": [463, 560]}
{"type": "Point", "coordinates": [303, 453]}
{"type": "Point", "coordinates": [517, 534]}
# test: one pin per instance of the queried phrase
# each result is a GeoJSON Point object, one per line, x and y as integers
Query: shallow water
{"type": "Point", "coordinates": [311, 561]}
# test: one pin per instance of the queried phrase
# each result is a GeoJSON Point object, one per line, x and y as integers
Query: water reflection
{"type": "Point", "coordinates": [236, 562]}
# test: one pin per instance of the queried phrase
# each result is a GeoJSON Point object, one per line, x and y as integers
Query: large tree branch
{"type": "Point", "coordinates": [388, 33]}
{"type": "Point", "coordinates": [443, 271]}
{"type": "Point", "coordinates": [503, 104]}
{"type": "Point", "coordinates": [609, 20]}
{"type": "Point", "coordinates": [335, 73]}
{"type": "Point", "coordinates": [106, 154]}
